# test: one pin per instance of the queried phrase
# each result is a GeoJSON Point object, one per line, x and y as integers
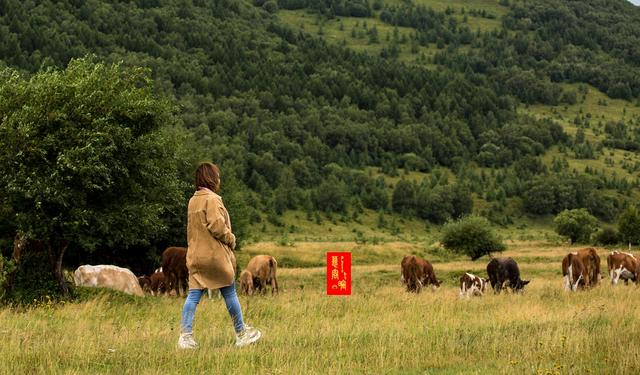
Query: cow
{"type": "Point", "coordinates": [174, 266]}
{"type": "Point", "coordinates": [591, 263]}
{"type": "Point", "coordinates": [504, 272]}
{"type": "Point", "coordinates": [158, 284]}
{"type": "Point", "coordinates": [574, 272]}
{"type": "Point", "coordinates": [145, 283]}
{"type": "Point", "coordinates": [417, 273]}
{"type": "Point", "coordinates": [623, 266]}
{"type": "Point", "coordinates": [472, 285]}
{"type": "Point", "coordinates": [107, 276]}
{"type": "Point", "coordinates": [260, 271]}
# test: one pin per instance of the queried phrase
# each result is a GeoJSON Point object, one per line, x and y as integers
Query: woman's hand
{"type": "Point", "coordinates": [232, 244]}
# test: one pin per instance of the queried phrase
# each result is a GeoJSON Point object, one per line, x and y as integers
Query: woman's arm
{"type": "Point", "coordinates": [217, 225]}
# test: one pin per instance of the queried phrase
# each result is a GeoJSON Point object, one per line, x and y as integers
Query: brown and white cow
{"type": "Point", "coordinates": [417, 273]}
{"type": "Point", "coordinates": [260, 271]}
{"type": "Point", "coordinates": [623, 266]}
{"type": "Point", "coordinates": [472, 285]}
{"type": "Point", "coordinates": [174, 266]}
{"type": "Point", "coordinates": [107, 276]}
{"type": "Point", "coordinates": [574, 272]}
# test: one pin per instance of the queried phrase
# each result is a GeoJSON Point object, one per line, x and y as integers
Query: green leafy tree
{"type": "Point", "coordinates": [629, 225]}
{"type": "Point", "coordinates": [403, 199]}
{"type": "Point", "coordinates": [471, 236]}
{"type": "Point", "coordinates": [84, 157]}
{"type": "Point", "coordinates": [577, 224]}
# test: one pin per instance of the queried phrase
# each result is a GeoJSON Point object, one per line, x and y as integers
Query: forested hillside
{"type": "Point", "coordinates": [413, 108]}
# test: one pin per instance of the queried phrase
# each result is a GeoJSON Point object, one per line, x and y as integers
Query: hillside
{"type": "Point", "coordinates": [382, 112]}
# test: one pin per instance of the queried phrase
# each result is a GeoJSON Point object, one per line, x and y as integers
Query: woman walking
{"type": "Point", "coordinates": [210, 257]}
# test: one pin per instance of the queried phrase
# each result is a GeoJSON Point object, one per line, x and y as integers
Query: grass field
{"type": "Point", "coordinates": [379, 329]}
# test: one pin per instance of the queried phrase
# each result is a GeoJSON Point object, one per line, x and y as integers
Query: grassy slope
{"type": "Point", "coordinates": [379, 329]}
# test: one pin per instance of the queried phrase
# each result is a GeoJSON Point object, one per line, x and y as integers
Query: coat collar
{"type": "Point", "coordinates": [205, 192]}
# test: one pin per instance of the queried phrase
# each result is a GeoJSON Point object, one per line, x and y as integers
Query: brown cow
{"type": "Point", "coordinates": [145, 283]}
{"type": "Point", "coordinates": [260, 271]}
{"type": "Point", "coordinates": [174, 266]}
{"type": "Point", "coordinates": [472, 285]}
{"type": "Point", "coordinates": [623, 266]}
{"type": "Point", "coordinates": [591, 263]}
{"type": "Point", "coordinates": [158, 283]}
{"type": "Point", "coordinates": [574, 272]}
{"type": "Point", "coordinates": [416, 273]}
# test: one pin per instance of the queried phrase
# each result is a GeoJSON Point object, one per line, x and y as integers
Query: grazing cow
{"type": "Point", "coordinates": [416, 273]}
{"type": "Point", "coordinates": [174, 266]}
{"type": "Point", "coordinates": [260, 271]}
{"type": "Point", "coordinates": [472, 285]}
{"type": "Point", "coordinates": [504, 272]}
{"type": "Point", "coordinates": [158, 284]}
{"type": "Point", "coordinates": [145, 283]}
{"type": "Point", "coordinates": [246, 283]}
{"type": "Point", "coordinates": [591, 262]}
{"type": "Point", "coordinates": [574, 272]}
{"type": "Point", "coordinates": [623, 266]}
{"type": "Point", "coordinates": [107, 276]}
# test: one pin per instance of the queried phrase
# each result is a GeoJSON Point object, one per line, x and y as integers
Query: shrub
{"type": "Point", "coordinates": [471, 236]}
{"type": "Point", "coordinates": [577, 224]}
{"type": "Point", "coordinates": [607, 236]}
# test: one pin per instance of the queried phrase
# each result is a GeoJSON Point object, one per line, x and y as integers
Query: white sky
{"type": "Point", "coordinates": [636, 2]}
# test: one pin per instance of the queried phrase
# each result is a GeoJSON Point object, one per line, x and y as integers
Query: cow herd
{"type": "Point", "coordinates": [173, 276]}
{"type": "Point", "coordinates": [417, 273]}
{"type": "Point", "coordinates": [580, 270]}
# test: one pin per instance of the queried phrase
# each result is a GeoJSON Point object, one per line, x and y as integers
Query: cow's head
{"type": "Point", "coordinates": [436, 283]}
{"type": "Point", "coordinates": [520, 284]}
{"type": "Point", "coordinates": [246, 283]}
{"type": "Point", "coordinates": [145, 282]}
{"type": "Point", "coordinates": [485, 282]}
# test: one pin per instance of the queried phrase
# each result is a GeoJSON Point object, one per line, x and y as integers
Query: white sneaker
{"type": "Point", "coordinates": [248, 336]}
{"type": "Point", "coordinates": [186, 341]}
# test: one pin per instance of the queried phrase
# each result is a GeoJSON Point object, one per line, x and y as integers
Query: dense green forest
{"type": "Point", "coordinates": [299, 122]}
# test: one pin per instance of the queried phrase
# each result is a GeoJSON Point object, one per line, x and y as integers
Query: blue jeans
{"type": "Point", "coordinates": [230, 299]}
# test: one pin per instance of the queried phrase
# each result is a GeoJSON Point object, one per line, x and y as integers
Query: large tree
{"type": "Point", "coordinates": [85, 157]}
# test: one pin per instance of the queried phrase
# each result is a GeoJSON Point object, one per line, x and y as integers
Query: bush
{"type": "Point", "coordinates": [607, 236]}
{"type": "Point", "coordinates": [629, 225]}
{"type": "Point", "coordinates": [270, 6]}
{"type": "Point", "coordinates": [471, 236]}
{"type": "Point", "coordinates": [577, 224]}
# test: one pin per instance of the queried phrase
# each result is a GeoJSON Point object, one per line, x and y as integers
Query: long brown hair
{"type": "Point", "coordinates": [208, 176]}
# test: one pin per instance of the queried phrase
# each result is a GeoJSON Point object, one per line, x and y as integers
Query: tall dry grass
{"type": "Point", "coordinates": [379, 329]}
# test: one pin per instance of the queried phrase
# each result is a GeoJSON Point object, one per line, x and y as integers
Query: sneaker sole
{"type": "Point", "coordinates": [254, 339]}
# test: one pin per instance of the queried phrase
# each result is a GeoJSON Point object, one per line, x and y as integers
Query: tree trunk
{"type": "Point", "coordinates": [19, 243]}
{"type": "Point", "coordinates": [56, 251]}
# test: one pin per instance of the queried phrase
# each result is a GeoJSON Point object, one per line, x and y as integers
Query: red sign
{"type": "Point", "coordinates": [338, 274]}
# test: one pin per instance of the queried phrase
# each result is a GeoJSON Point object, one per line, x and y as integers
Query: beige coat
{"type": "Point", "coordinates": [210, 258]}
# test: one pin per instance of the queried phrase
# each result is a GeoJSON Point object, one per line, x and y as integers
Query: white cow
{"type": "Point", "coordinates": [107, 276]}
